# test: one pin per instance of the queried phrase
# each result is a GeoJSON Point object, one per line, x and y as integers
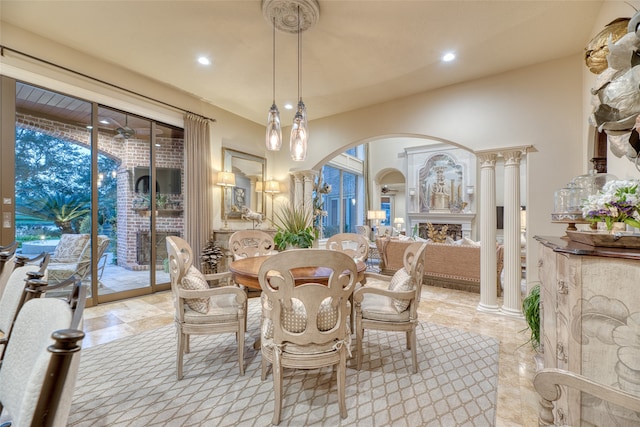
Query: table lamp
{"type": "Point", "coordinates": [271, 187]}
{"type": "Point", "coordinates": [226, 180]}
{"type": "Point", "coordinates": [398, 223]}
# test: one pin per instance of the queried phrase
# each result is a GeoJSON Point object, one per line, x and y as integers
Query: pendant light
{"type": "Point", "coordinates": [274, 131]}
{"type": "Point", "coordinates": [299, 130]}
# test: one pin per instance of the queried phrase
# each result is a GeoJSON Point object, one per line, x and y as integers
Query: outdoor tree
{"type": "Point", "coordinates": [53, 180]}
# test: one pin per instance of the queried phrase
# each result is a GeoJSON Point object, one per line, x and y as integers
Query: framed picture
{"type": "Point", "coordinates": [239, 197]}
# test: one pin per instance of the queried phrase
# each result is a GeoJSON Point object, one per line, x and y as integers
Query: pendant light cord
{"type": "Point", "coordinates": [274, 59]}
{"type": "Point", "coordinates": [299, 56]}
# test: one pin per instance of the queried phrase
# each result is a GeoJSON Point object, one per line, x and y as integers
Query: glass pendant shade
{"type": "Point", "coordinates": [298, 144]}
{"type": "Point", "coordinates": [274, 131]}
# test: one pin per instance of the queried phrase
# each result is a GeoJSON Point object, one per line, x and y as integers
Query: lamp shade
{"type": "Point", "coordinates": [398, 220]}
{"type": "Point", "coordinates": [272, 187]}
{"type": "Point", "coordinates": [226, 179]}
{"type": "Point", "coordinates": [376, 214]}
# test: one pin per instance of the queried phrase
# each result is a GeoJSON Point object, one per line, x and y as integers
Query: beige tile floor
{"type": "Point", "coordinates": [517, 401]}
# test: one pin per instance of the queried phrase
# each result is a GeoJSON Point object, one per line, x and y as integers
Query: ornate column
{"type": "Point", "coordinates": [488, 275]}
{"type": "Point", "coordinates": [303, 182]}
{"type": "Point", "coordinates": [512, 303]}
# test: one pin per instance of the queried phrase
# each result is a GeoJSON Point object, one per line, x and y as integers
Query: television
{"type": "Point", "coordinates": [168, 180]}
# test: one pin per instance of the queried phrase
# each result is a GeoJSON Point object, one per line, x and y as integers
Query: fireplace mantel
{"type": "Point", "coordinates": [464, 219]}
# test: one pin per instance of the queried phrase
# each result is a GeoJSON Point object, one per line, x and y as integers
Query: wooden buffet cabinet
{"type": "Point", "coordinates": [590, 324]}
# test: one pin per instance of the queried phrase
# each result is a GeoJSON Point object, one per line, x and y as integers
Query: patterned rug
{"type": "Point", "coordinates": [131, 382]}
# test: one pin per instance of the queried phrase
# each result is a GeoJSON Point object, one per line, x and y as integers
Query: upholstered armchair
{"type": "Point", "coordinates": [15, 295]}
{"type": "Point", "coordinates": [44, 343]}
{"type": "Point", "coordinates": [304, 325]}
{"type": "Point", "coordinates": [352, 244]}
{"type": "Point", "coordinates": [200, 310]}
{"type": "Point", "coordinates": [390, 303]}
{"type": "Point", "coordinates": [73, 256]}
{"type": "Point", "coordinates": [251, 243]}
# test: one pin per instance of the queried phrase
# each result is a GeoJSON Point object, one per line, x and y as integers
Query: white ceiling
{"type": "Point", "coordinates": [360, 52]}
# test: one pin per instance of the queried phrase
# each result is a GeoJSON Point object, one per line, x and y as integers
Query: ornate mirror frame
{"type": "Point", "coordinates": [249, 170]}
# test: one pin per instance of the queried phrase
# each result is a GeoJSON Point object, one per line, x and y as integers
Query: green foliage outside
{"type": "Point", "coordinates": [53, 186]}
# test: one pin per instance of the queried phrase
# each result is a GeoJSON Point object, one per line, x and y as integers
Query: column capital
{"type": "Point", "coordinates": [512, 157]}
{"type": "Point", "coordinates": [487, 160]}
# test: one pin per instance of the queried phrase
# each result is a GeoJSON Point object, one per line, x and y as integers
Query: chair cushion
{"type": "Point", "coordinates": [382, 308]}
{"type": "Point", "coordinates": [70, 247]}
{"type": "Point", "coordinates": [221, 308]}
{"type": "Point", "coordinates": [401, 281]}
{"type": "Point", "coordinates": [194, 280]}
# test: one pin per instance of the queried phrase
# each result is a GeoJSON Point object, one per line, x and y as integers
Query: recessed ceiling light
{"type": "Point", "coordinates": [104, 122]}
{"type": "Point", "coordinates": [204, 60]}
{"type": "Point", "coordinates": [449, 56]}
{"type": "Point", "coordinates": [288, 106]}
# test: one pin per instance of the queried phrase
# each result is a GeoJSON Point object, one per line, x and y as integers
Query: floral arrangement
{"type": "Point", "coordinates": [619, 201]}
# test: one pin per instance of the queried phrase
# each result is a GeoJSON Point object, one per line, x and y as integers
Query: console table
{"type": "Point", "coordinates": [590, 324]}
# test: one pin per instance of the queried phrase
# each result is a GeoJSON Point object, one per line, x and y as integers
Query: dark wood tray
{"type": "Point", "coordinates": [606, 239]}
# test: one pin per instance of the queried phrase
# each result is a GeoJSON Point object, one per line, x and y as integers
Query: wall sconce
{"type": "Point", "coordinates": [470, 190]}
{"type": "Point", "coordinates": [226, 180]}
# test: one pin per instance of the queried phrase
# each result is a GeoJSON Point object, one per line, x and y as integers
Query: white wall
{"type": "Point", "coordinates": [544, 106]}
{"type": "Point", "coordinates": [229, 130]}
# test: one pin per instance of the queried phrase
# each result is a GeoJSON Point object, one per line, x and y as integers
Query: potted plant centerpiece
{"type": "Point", "coordinates": [294, 227]}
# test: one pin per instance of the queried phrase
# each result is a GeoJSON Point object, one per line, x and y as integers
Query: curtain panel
{"type": "Point", "coordinates": [198, 207]}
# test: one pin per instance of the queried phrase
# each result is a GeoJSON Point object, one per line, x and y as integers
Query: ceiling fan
{"type": "Point", "coordinates": [125, 131]}
{"type": "Point", "coordinates": [386, 189]}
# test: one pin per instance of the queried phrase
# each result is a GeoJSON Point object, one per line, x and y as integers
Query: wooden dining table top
{"type": "Point", "coordinates": [245, 272]}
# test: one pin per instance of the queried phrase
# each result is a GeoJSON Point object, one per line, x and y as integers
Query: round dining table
{"type": "Point", "coordinates": [245, 272]}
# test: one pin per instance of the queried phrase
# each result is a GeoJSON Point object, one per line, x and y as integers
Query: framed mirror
{"type": "Point", "coordinates": [249, 172]}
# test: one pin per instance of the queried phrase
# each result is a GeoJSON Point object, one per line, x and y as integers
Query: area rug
{"type": "Point", "coordinates": [132, 382]}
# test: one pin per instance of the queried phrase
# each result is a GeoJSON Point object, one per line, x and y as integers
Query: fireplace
{"type": "Point", "coordinates": [459, 224]}
{"type": "Point", "coordinates": [144, 246]}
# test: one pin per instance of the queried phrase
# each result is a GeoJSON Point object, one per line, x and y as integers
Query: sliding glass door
{"type": "Point", "coordinates": [107, 182]}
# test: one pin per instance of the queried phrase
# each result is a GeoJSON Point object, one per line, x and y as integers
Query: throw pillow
{"type": "Point", "coordinates": [194, 280]}
{"type": "Point", "coordinates": [401, 281]}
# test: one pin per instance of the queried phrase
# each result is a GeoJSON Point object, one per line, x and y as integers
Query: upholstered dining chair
{"type": "Point", "coordinates": [352, 244]}
{"type": "Point", "coordinates": [374, 254]}
{"type": "Point", "coordinates": [7, 256]}
{"type": "Point", "coordinates": [200, 310]}
{"type": "Point", "coordinates": [39, 370]}
{"type": "Point", "coordinates": [390, 303]}
{"type": "Point", "coordinates": [15, 295]}
{"type": "Point", "coordinates": [251, 243]}
{"type": "Point", "coordinates": [304, 325]}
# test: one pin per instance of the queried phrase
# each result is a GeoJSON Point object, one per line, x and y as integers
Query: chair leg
{"type": "Point", "coordinates": [179, 355]}
{"type": "Point", "coordinates": [240, 337]}
{"type": "Point", "coordinates": [342, 382]}
{"type": "Point", "coordinates": [409, 346]}
{"type": "Point", "coordinates": [359, 336]}
{"type": "Point", "coordinates": [277, 387]}
{"type": "Point", "coordinates": [414, 350]}
{"type": "Point", "coordinates": [187, 346]}
{"type": "Point", "coordinates": [263, 375]}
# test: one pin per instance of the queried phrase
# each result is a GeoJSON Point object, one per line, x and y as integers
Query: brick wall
{"type": "Point", "coordinates": [128, 154]}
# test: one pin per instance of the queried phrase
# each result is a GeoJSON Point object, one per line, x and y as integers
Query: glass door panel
{"type": "Point", "coordinates": [53, 179]}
